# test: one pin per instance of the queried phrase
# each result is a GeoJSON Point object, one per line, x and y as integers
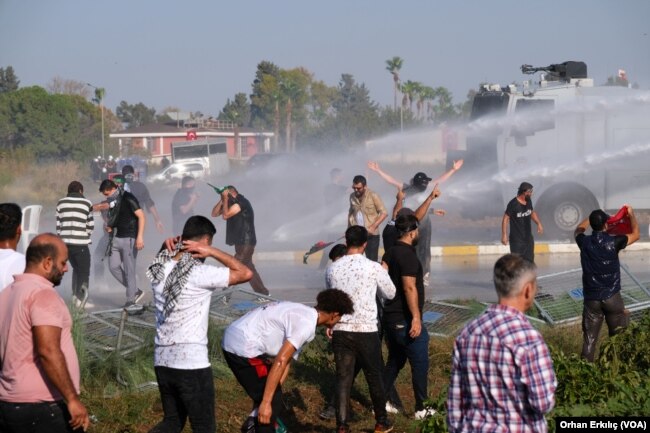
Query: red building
{"type": "Point", "coordinates": [241, 143]}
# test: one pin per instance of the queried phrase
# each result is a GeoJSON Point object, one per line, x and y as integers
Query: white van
{"type": "Point", "coordinates": [177, 170]}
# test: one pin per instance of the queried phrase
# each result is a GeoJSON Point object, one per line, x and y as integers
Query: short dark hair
{"type": "Point", "coordinates": [75, 186]}
{"type": "Point", "coordinates": [359, 179]}
{"type": "Point", "coordinates": [337, 252]}
{"type": "Point", "coordinates": [106, 185]}
{"type": "Point", "coordinates": [196, 227]}
{"type": "Point", "coordinates": [334, 301]}
{"type": "Point", "coordinates": [40, 248]}
{"type": "Point", "coordinates": [127, 169]}
{"type": "Point", "coordinates": [405, 223]}
{"type": "Point", "coordinates": [508, 272]}
{"type": "Point", "coordinates": [10, 218]}
{"type": "Point", "coordinates": [356, 236]}
{"type": "Point", "coordinates": [597, 220]}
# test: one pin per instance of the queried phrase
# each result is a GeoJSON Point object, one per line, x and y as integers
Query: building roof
{"type": "Point", "coordinates": [167, 130]}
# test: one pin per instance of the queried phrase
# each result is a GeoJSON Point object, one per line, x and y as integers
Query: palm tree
{"type": "Point", "coordinates": [408, 90]}
{"type": "Point", "coordinates": [393, 66]}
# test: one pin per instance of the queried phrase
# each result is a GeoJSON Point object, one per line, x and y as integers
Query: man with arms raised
{"type": "Point", "coordinates": [39, 379]}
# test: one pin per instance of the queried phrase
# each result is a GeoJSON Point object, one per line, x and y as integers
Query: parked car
{"type": "Point", "coordinates": [177, 170]}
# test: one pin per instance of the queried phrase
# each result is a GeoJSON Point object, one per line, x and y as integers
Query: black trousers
{"type": "Point", "coordinates": [372, 248]}
{"type": "Point", "coordinates": [186, 394]}
{"type": "Point", "coordinates": [593, 313]}
{"type": "Point", "coordinates": [244, 253]}
{"type": "Point", "coordinates": [46, 417]}
{"type": "Point", "coordinates": [251, 373]}
{"type": "Point", "coordinates": [79, 257]}
{"type": "Point", "coordinates": [364, 349]}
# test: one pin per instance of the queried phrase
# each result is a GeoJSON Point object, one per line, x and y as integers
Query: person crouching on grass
{"type": "Point", "coordinates": [259, 346]}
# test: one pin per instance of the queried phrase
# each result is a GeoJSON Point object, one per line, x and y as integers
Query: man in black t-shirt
{"type": "Point", "coordinates": [518, 215]}
{"type": "Point", "coordinates": [240, 231]}
{"type": "Point", "coordinates": [601, 277]}
{"type": "Point", "coordinates": [406, 338]}
{"type": "Point", "coordinates": [126, 222]}
{"type": "Point", "coordinates": [141, 192]}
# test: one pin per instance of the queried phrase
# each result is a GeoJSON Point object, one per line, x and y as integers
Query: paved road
{"type": "Point", "coordinates": [454, 277]}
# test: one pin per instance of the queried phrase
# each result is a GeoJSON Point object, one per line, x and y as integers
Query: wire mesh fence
{"type": "Point", "coordinates": [560, 295]}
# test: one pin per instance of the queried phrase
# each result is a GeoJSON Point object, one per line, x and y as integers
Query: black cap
{"type": "Point", "coordinates": [525, 186]}
{"type": "Point", "coordinates": [598, 219]}
{"type": "Point", "coordinates": [421, 179]}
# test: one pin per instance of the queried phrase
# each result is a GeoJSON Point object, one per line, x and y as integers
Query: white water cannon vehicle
{"type": "Point", "coordinates": [582, 147]}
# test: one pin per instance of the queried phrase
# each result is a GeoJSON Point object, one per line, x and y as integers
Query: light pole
{"type": "Point", "coordinates": [99, 96]}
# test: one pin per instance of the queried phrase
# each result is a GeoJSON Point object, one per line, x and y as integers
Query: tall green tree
{"type": "Point", "coordinates": [394, 65]}
{"type": "Point", "coordinates": [294, 88]}
{"type": "Point", "coordinates": [134, 115]}
{"type": "Point", "coordinates": [8, 80]}
{"type": "Point", "coordinates": [357, 117]}
{"type": "Point", "coordinates": [237, 111]}
{"type": "Point", "coordinates": [48, 126]}
{"type": "Point", "coordinates": [265, 96]}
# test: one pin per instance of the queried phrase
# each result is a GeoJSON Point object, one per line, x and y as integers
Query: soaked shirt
{"type": "Point", "coordinates": [182, 337]}
{"type": "Point", "coordinates": [520, 217]}
{"type": "Point", "coordinates": [502, 377]}
{"type": "Point", "coordinates": [601, 269]}
{"type": "Point", "coordinates": [362, 280]}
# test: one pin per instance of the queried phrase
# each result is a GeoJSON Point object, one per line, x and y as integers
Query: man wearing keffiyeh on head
{"type": "Point", "coordinates": [182, 286]}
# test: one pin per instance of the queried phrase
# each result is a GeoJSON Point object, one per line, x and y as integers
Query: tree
{"type": "Point", "coordinates": [357, 116]}
{"type": "Point", "coordinates": [68, 87]}
{"type": "Point", "coordinates": [265, 104]}
{"type": "Point", "coordinates": [408, 89]}
{"type": "Point", "coordinates": [393, 66]}
{"type": "Point", "coordinates": [237, 111]}
{"type": "Point", "coordinates": [294, 87]}
{"type": "Point", "coordinates": [135, 115]}
{"type": "Point", "coordinates": [49, 126]}
{"type": "Point", "coordinates": [8, 80]}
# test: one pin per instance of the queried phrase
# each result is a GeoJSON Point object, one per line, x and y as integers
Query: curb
{"type": "Point", "coordinates": [450, 250]}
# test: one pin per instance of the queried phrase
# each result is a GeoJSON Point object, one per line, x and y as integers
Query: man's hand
{"type": "Point", "coordinates": [504, 239]}
{"type": "Point", "coordinates": [374, 166]}
{"type": "Point", "coordinates": [400, 195]}
{"type": "Point", "coordinates": [224, 194]}
{"type": "Point", "coordinates": [457, 164]}
{"type": "Point", "coordinates": [416, 328]}
{"type": "Point", "coordinates": [197, 249]}
{"type": "Point", "coordinates": [540, 229]}
{"type": "Point", "coordinates": [78, 415]}
{"type": "Point", "coordinates": [170, 243]}
{"type": "Point", "coordinates": [139, 243]}
{"type": "Point", "coordinates": [159, 226]}
{"type": "Point", "coordinates": [439, 212]}
{"type": "Point", "coordinates": [436, 192]}
{"type": "Point", "coordinates": [264, 413]}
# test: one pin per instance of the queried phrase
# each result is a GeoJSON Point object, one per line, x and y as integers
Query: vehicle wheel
{"type": "Point", "coordinates": [563, 208]}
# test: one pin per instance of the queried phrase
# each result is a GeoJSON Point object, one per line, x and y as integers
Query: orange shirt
{"type": "Point", "coordinates": [31, 301]}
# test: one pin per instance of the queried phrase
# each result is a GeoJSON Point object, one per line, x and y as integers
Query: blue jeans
{"type": "Point", "coordinates": [47, 417]}
{"type": "Point", "coordinates": [186, 393]}
{"type": "Point", "coordinates": [401, 347]}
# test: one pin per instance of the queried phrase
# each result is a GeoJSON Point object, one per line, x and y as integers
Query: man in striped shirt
{"type": "Point", "coordinates": [502, 376]}
{"type": "Point", "coordinates": [74, 224]}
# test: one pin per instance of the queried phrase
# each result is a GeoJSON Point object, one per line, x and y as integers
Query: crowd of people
{"type": "Point", "coordinates": [502, 375]}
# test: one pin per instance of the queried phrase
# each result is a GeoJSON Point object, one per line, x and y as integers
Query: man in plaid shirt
{"type": "Point", "coordinates": [502, 374]}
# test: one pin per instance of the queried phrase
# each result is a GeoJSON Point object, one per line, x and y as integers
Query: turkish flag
{"type": "Point", "coordinates": [191, 135]}
{"type": "Point", "coordinates": [619, 224]}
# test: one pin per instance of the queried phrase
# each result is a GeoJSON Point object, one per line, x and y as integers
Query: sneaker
{"type": "Point", "coordinates": [426, 279]}
{"type": "Point", "coordinates": [392, 409]}
{"type": "Point", "coordinates": [138, 296]}
{"type": "Point", "coordinates": [261, 300]}
{"type": "Point", "coordinates": [328, 413]}
{"type": "Point", "coordinates": [248, 426]}
{"type": "Point", "coordinates": [424, 413]}
{"type": "Point", "coordinates": [133, 308]}
{"type": "Point", "coordinates": [76, 302]}
{"type": "Point", "coordinates": [383, 427]}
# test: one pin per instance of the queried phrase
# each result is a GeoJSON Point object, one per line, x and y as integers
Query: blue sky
{"type": "Point", "coordinates": [195, 54]}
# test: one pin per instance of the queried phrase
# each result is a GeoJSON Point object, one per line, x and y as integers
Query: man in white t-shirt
{"type": "Point", "coordinates": [259, 346]}
{"type": "Point", "coordinates": [11, 261]}
{"type": "Point", "coordinates": [182, 286]}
